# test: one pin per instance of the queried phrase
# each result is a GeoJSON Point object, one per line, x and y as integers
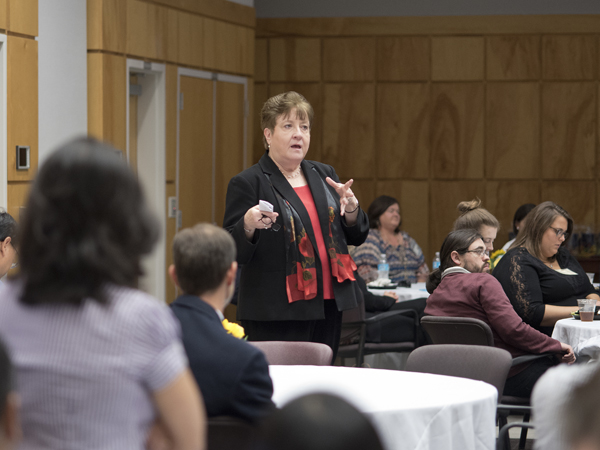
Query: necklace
{"type": "Point", "coordinates": [292, 175]}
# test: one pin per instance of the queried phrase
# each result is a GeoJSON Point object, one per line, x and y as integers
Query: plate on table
{"type": "Point", "coordinates": [385, 286]}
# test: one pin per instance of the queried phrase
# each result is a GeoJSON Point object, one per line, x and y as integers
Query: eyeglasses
{"type": "Point", "coordinates": [560, 233]}
{"type": "Point", "coordinates": [479, 252]}
{"type": "Point", "coordinates": [267, 221]}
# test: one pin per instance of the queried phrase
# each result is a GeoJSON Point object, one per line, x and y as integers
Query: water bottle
{"type": "Point", "coordinates": [436, 261]}
{"type": "Point", "coordinates": [383, 268]}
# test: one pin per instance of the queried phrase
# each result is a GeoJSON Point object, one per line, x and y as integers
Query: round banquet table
{"type": "Point", "coordinates": [584, 337]}
{"type": "Point", "coordinates": [409, 410]}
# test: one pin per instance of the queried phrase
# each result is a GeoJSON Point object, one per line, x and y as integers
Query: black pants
{"type": "Point", "coordinates": [521, 384]}
{"type": "Point", "coordinates": [326, 331]}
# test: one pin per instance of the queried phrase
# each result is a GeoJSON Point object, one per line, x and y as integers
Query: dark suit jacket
{"type": "Point", "coordinates": [262, 293]}
{"type": "Point", "coordinates": [232, 374]}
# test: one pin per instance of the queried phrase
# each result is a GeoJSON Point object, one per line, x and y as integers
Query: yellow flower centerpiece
{"type": "Point", "coordinates": [495, 257]}
{"type": "Point", "coordinates": [234, 329]}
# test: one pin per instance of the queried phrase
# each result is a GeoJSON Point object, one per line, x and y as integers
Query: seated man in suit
{"type": "Point", "coordinates": [232, 374]}
{"type": "Point", "coordinates": [461, 288]}
{"type": "Point", "coordinates": [10, 428]}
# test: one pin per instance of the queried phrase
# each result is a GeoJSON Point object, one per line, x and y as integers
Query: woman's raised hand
{"type": "Point", "coordinates": [347, 198]}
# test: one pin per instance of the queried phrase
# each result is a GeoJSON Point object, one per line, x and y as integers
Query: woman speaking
{"type": "Point", "coordinates": [296, 273]}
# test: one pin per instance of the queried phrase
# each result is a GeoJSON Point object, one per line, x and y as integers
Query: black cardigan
{"type": "Point", "coordinates": [262, 290]}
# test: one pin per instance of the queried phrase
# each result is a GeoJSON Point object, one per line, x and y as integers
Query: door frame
{"type": "Point", "coordinates": [3, 124]}
{"type": "Point", "coordinates": [215, 77]}
{"type": "Point", "coordinates": [152, 138]}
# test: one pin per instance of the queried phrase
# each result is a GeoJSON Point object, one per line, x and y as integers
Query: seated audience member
{"type": "Point", "coordinates": [550, 398]}
{"type": "Point", "coordinates": [474, 216]}
{"type": "Point", "coordinates": [459, 288]}
{"type": "Point", "coordinates": [100, 364]}
{"type": "Point", "coordinates": [10, 428]}
{"type": "Point", "coordinates": [319, 422]}
{"type": "Point", "coordinates": [8, 243]}
{"type": "Point", "coordinates": [582, 415]}
{"type": "Point", "coordinates": [539, 275]}
{"type": "Point", "coordinates": [403, 254]}
{"type": "Point", "coordinates": [232, 374]}
{"type": "Point", "coordinates": [518, 222]}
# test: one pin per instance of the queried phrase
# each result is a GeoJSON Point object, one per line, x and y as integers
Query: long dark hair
{"type": "Point", "coordinates": [520, 214]}
{"type": "Point", "coordinates": [378, 207]}
{"type": "Point", "coordinates": [457, 241]}
{"type": "Point", "coordinates": [538, 221]}
{"type": "Point", "coordinates": [86, 224]}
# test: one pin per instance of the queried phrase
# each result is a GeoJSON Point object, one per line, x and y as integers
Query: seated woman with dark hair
{"type": "Point", "coordinates": [403, 254]}
{"type": "Point", "coordinates": [98, 362]}
{"type": "Point", "coordinates": [8, 243]}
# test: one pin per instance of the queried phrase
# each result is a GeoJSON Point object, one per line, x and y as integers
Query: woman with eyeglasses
{"type": "Point", "coordinates": [296, 273]}
{"type": "Point", "coordinates": [474, 216]}
{"type": "Point", "coordinates": [8, 243]}
{"type": "Point", "coordinates": [540, 277]}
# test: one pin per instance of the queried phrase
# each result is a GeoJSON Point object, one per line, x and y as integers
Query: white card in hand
{"type": "Point", "coordinates": [263, 205]}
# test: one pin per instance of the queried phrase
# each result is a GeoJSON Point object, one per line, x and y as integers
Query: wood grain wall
{"type": "Point", "coordinates": [438, 110]}
{"type": "Point", "coordinates": [19, 21]}
{"type": "Point", "coordinates": [212, 35]}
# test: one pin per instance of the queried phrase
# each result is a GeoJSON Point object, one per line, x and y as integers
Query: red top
{"type": "Point", "coordinates": [309, 203]}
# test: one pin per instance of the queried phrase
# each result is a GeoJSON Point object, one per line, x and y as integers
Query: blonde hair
{"type": "Point", "coordinates": [282, 105]}
{"type": "Point", "coordinates": [473, 215]}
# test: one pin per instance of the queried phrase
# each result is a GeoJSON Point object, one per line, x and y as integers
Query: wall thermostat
{"type": "Point", "coordinates": [22, 157]}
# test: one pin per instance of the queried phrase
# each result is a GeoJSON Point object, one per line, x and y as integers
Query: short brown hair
{"type": "Point", "coordinates": [202, 256]}
{"type": "Point", "coordinates": [473, 215]}
{"type": "Point", "coordinates": [282, 105]}
{"type": "Point", "coordinates": [538, 221]}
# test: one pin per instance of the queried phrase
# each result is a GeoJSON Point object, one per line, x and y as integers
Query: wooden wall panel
{"type": "Point", "coordinates": [457, 58]}
{"type": "Point", "coordinates": [365, 191]}
{"type": "Point", "coordinates": [261, 94]}
{"type": "Point", "coordinates": [23, 17]}
{"type": "Point", "coordinates": [457, 130]}
{"type": "Point", "coordinates": [221, 10]}
{"type": "Point", "coordinates": [107, 98]}
{"type": "Point", "coordinates": [190, 39]}
{"type": "Point", "coordinates": [512, 130]}
{"type": "Point", "coordinates": [502, 198]}
{"type": "Point", "coordinates": [172, 35]}
{"type": "Point", "coordinates": [3, 14]}
{"type": "Point", "coordinates": [106, 25]}
{"type": "Point", "coordinates": [171, 123]}
{"type": "Point", "coordinates": [402, 130]}
{"type": "Point", "coordinates": [227, 47]}
{"type": "Point", "coordinates": [295, 59]}
{"type": "Point", "coordinates": [18, 193]}
{"type": "Point", "coordinates": [170, 288]}
{"type": "Point", "coordinates": [568, 130]}
{"type": "Point", "coordinates": [312, 93]}
{"type": "Point", "coordinates": [569, 57]}
{"type": "Point", "coordinates": [513, 58]}
{"type": "Point", "coordinates": [348, 144]}
{"type": "Point", "coordinates": [22, 104]}
{"type": "Point", "coordinates": [146, 30]}
{"type": "Point", "coordinates": [403, 59]}
{"type": "Point", "coordinates": [349, 59]}
{"type": "Point", "coordinates": [443, 199]}
{"type": "Point", "coordinates": [261, 60]}
{"type": "Point", "coordinates": [413, 197]}
{"type": "Point", "coordinates": [577, 197]}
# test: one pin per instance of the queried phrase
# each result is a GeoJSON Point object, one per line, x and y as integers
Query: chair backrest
{"type": "Point", "coordinates": [290, 353]}
{"type": "Point", "coordinates": [227, 432]}
{"type": "Point", "coordinates": [457, 330]}
{"type": "Point", "coordinates": [489, 364]}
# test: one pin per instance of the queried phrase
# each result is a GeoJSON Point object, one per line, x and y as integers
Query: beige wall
{"type": "Point", "coordinates": [442, 109]}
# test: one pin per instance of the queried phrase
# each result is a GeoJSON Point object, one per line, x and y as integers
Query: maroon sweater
{"type": "Point", "coordinates": [480, 296]}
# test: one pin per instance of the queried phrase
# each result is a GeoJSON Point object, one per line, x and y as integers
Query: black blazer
{"type": "Point", "coordinates": [232, 374]}
{"type": "Point", "coordinates": [262, 293]}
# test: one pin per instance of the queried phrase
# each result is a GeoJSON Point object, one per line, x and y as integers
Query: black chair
{"type": "Point", "coordinates": [228, 432]}
{"type": "Point", "coordinates": [354, 331]}
{"type": "Point", "coordinates": [470, 331]}
{"type": "Point", "coordinates": [290, 353]}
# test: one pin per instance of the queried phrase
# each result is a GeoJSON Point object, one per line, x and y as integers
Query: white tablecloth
{"type": "Point", "coordinates": [403, 293]}
{"type": "Point", "coordinates": [584, 337]}
{"type": "Point", "coordinates": [409, 410]}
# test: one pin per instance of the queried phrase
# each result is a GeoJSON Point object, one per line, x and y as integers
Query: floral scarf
{"type": "Point", "coordinates": [301, 268]}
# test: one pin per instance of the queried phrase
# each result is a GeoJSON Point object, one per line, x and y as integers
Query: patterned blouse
{"type": "Point", "coordinates": [406, 260]}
